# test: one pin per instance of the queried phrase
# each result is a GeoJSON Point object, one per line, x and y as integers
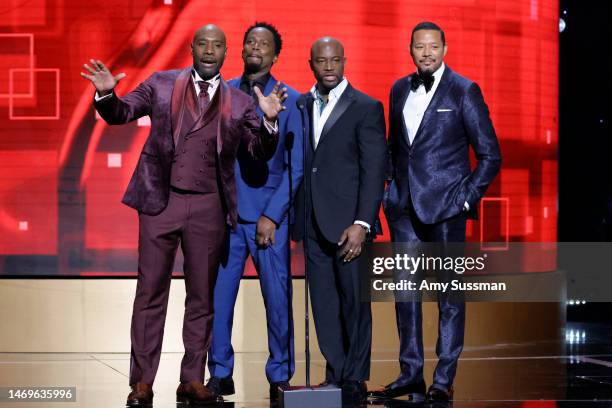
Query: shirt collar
{"type": "Point", "coordinates": [334, 93]}
{"type": "Point", "coordinates": [262, 81]}
{"type": "Point", "coordinates": [212, 81]}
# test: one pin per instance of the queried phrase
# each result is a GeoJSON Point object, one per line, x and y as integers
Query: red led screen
{"type": "Point", "coordinates": [63, 170]}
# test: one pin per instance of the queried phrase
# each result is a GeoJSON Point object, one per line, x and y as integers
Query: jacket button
{"type": "Point", "coordinates": [198, 183]}
{"type": "Point", "coordinates": [314, 169]}
{"type": "Point", "coordinates": [201, 170]}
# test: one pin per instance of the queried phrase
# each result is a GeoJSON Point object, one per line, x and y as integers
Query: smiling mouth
{"type": "Point", "coordinates": [209, 62]}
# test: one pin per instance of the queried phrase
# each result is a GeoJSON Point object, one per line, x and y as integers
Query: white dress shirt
{"type": "Point", "coordinates": [320, 117]}
{"type": "Point", "coordinates": [417, 103]}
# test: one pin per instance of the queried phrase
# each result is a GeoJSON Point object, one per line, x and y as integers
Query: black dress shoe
{"type": "Point", "coordinates": [354, 392]}
{"type": "Point", "coordinates": [328, 384]}
{"type": "Point", "coordinates": [438, 395]}
{"type": "Point", "coordinates": [415, 391]}
{"type": "Point", "coordinates": [274, 389]}
{"type": "Point", "coordinates": [221, 386]}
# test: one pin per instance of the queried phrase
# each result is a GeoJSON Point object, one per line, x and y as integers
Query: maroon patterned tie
{"type": "Point", "coordinates": [203, 96]}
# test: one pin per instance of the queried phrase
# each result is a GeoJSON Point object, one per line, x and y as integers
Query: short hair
{"type": "Point", "coordinates": [428, 25]}
{"type": "Point", "coordinates": [278, 41]}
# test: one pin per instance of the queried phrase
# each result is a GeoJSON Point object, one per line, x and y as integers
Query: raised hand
{"type": "Point", "coordinates": [101, 77]}
{"type": "Point", "coordinates": [272, 104]}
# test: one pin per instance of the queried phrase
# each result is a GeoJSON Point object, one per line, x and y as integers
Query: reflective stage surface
{"type": "Point", "coordinates": [523, 375]}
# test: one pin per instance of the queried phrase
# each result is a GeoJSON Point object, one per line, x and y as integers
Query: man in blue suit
{"type": "Point", "coordinates": [262, 230]}
{"type": "Point", "coordinates": [435, 115]}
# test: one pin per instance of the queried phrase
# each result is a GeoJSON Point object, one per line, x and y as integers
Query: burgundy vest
{"type": "Point", "coordinates": [194, 167]}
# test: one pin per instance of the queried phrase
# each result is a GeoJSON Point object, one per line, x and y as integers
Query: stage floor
{"type": "Point", "coordinates": [505, 375]}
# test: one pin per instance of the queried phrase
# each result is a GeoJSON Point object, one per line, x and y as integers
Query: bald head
{"type": "Point", "coordinates": [208, 49]}
{"type": "Point", "coordinates": [327, 63]}
{"type": "Point", "coordinates": [211, 29]}
{"type": "Point", "coordinates": [326, 42]}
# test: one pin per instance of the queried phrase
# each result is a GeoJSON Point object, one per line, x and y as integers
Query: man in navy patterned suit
{"type": "Point", "coordinates": [435, 115]}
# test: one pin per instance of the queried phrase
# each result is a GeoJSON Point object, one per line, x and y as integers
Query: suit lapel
{"type": "Point", "coordinates": [309, 105]}
{"type": "Point", "coordinates": [177, 106]}
{"type": "Point", "coordinates": [441, 92]}
{"type": "Point", "coordinates": [225, 104]}
{"type": "Point", "coordinates": [401, 99]}
{"type": "Point", "coordinates": [341, 106]}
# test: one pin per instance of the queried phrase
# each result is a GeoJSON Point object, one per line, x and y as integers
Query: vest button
{"type": "Point", "coordinates": [182, 165]}
{"type": "Point", "coordinates": [201, 170]}
{"type": "Point", "coordinates": [198, 183]}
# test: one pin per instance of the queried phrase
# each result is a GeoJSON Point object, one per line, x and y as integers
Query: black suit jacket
{"type": "Point", "coordinates": [434, 171]}
{"type": "Point", "coordinates": [344, 176]}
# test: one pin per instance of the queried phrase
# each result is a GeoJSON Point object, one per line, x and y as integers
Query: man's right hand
{"type": "Point", "coordinates": [101, 77]}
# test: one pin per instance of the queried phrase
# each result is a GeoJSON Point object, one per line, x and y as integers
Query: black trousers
{"type": "Point", "coordinates": [342, 321]}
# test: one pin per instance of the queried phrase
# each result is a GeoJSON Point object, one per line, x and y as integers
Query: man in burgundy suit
{"type": "Point", "coordinates": [184, 190]}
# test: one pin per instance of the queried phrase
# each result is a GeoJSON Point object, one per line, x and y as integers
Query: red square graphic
{"type": "Point", "coordinates": [28, 202]}
{"type": "Point", "coordinates": [45, 103]}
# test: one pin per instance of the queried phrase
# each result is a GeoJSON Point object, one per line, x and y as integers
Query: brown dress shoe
{"type": "Point", "coordinates": [195, 393]}
{"type": "Point", "coordinates": [141, 396]}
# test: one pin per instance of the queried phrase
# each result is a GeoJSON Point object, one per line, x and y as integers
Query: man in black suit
{"type": "Point", "coordinates": [343, 183]}
{"type": "Point", "coordinates": [434, 116]}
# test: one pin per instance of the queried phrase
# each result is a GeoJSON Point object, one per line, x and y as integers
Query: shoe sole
{"type": "Point", "coordinates": [187, 402]}
{"type": "Point", "coordinates": [416, 397]}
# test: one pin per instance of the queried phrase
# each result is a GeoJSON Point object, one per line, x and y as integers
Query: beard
{"type": "Point", "coordinates": [252, 67]}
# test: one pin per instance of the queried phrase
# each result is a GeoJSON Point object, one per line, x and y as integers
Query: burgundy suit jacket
{"type": "Point", "coordinates": [162, 96]}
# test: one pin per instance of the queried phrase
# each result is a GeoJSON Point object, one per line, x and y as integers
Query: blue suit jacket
{"type": "Point", "coordinates": [434, 171]}
{"type": "Point", "coordinates": [263, 187]}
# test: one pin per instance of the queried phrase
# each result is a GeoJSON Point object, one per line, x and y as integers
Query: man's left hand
{"type": "Point", "coordinates": [351, 240]}
{"type": "Point", "coordinates": [266, 229]}
{"type": "Point", "coordinates": [272, 104]}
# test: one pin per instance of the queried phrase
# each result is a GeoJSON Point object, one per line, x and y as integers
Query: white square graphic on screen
{"type": "Point", "coordinates": [113, 160]}
{"type": "Point", "coordinates": [23, 226]}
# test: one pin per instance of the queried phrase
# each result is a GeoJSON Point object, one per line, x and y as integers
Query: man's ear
{"type": "Point", "coordinates": [445, 49]}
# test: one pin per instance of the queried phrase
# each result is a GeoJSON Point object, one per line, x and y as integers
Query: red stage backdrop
{"type": "Point", "coordinates": [63, 170]}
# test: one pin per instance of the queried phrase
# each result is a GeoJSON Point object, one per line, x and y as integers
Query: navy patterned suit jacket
{"type": "Point", "coordinates": [434, 171]}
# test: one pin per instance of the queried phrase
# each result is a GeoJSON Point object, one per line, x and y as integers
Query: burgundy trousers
{"type": "Point", "coordinates": [196, 222]}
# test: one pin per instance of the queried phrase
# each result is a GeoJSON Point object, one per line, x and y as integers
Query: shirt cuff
{"type": "Point", "coordinates": [466, 206]}
{"type": "Point", "coordinates": [271, 127]}
{"type": "Point", "coordinates": [363, 223]}
{"type": "Point", "coordinates": [99, 98]}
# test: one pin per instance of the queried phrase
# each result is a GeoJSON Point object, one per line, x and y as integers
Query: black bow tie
{"type": "Point", "coordinates": [419, 79]}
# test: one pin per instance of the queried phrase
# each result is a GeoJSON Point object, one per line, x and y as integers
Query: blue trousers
{"type": "Point", "coordinates": [275, 282]}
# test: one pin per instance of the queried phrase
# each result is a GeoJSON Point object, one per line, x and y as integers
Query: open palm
{"type": "Point", "coordinates": [101, 78]}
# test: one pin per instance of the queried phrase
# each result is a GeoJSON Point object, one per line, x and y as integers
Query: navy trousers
{"type": "Point", "coordinates": [451, 327]}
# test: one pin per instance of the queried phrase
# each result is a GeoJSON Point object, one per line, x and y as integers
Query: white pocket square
{"type": "Point", "coordinates": [444, 110]}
